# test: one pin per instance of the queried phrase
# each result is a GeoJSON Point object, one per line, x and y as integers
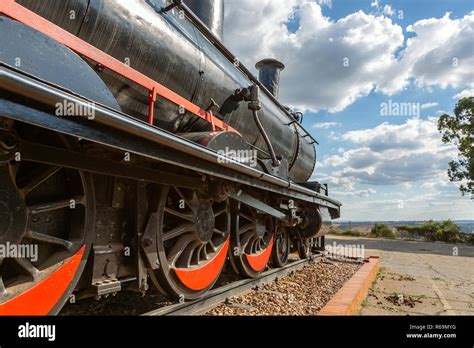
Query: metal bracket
{"type": "Point", "coordinates": [257, 204]}
{"type": "Point", "coordinates": [106, 287]}
{"type": "Point", "coordinates": [149, 242]}
{"type": "Point", "coordinates": [213, 105]}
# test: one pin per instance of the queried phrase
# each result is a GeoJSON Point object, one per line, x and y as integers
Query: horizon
{"type": "Point", "coordinates": [344, 221]}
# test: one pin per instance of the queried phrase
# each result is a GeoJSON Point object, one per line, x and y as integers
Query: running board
{"type": "Point", "coordinates": [259, 205]}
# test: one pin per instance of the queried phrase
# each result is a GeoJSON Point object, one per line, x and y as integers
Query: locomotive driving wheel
{"type": "Point", "coordinates": [252, 240]}
{"type": "Point", "coordinates": [46, 225]}
{"type": "Point", "coordinates": [281, 249]}
{"type": "Point", "coordinates": [304, 247]}
{"type": "Point", "coordinates": [192, 242]}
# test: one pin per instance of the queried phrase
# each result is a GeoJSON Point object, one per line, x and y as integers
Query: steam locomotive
{"type": "Point", "coordinates": [136, 150]}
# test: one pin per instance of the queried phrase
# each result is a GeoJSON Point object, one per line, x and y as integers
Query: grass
{"type": "Point", "coordinates": [349, 233]}
{"type": "Point", "coordinates": [444, 231]}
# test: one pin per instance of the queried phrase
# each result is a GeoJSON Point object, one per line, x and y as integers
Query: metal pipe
{"type": "Point", "coordinates": [275, 161]}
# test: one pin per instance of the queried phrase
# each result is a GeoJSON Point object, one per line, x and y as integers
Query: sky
{"type": "Point", "coordinates": [372, 77]}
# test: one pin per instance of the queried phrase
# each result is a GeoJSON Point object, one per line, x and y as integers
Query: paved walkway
{"type": "Point", "coordinates": [418, 277]}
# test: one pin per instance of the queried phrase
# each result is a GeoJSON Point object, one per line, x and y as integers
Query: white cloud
{"type": "Point", "coordinates": [327, 3]}
{"type": "Point", "coordinates": [436, 206]}
{"type": "Point", "coordinates": [464, 93]}
{"type": "Point", "coordinates": [348, 56]}
{"type": "Point", "coordinates": [407, 185]}
{"type": "Point", "coordinates": [334, 181]}
{"type": "Point", "coordinates": [442, 51]}
{"type": "Point", "coordinates": [408, 162]}
{"type": "Point", "coordinates": [440, 181]}
{"type": "Point", "coordinates": [355, 193]}
{"type": "Point", "coordinates": [326, 125]}
{"type": "Point", "coordinates": [332, 161]}
{"type": "Point", "coordinates": [375, 3]}
{"type": "Point", "coordinates": [392, 154]}
{"type": "Point", "coordinates": [333, 136]}
{"type": "Point", "coordinates": [439, 53]}
{"type": "Point", "coordinates": [428, 105]}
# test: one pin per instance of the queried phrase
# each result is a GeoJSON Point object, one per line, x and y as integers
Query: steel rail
{"type": "Point", "coordinates": [220, 294]}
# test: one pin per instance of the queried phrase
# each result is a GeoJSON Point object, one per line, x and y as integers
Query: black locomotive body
{"type": "Point", "coordinates": [136, 149]}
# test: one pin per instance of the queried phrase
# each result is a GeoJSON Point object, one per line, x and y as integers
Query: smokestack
{"type": "Point", "coordinates": [269, 74]}
{"type": "Point", "coordinates": [211, 13]}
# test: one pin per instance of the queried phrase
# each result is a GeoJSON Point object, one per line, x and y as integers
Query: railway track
{"type": "Point", "coordinates": [220, 294]}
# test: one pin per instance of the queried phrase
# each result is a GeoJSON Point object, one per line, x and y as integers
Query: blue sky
{"type": "Point", "coordinates": [382, 167]}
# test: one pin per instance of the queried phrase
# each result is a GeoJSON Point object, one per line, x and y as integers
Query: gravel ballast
{"type": "Point", "coordinates": [302, 292]}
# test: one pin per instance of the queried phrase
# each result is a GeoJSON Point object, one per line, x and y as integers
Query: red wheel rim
{"type": "Point", "coordinates": [202, 277]}
{"type": "Point", "coordinates": [259, 262]}
{"type": "Point", "coordinates": [43, 296]}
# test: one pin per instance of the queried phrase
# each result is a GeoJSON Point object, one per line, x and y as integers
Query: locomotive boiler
{"type": "Point", "coordinates": [135, 148]}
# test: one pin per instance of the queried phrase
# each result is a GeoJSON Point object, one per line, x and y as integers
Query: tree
{"type": "Point", "coordinates": [459, 130]}
{"type": "Point", "coordinates": [448, 232]}
{"type": "Point", "coordinates": [382, 231]}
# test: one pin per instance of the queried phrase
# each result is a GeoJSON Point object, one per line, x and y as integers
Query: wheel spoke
{"type": "Point", "coordinates": [183, 216]}
{"type": "Point", "coordinates": [29, 267]}
{"type": "Point", "coordinates": [178, 248]}
{"type": "Point", "coordinates": [65, 203]}
{"type": "Point", "coordinates": [197, 254]}
{"type": "Point", "coordinates": [38, 178]}
{"type": "Point", "coordinates": [246, 217]}
{"type": "Point", "coordinates": [205, 256]}
{"type": "Point", "coordinates": [244, 241]}
{"type": "Point", "coordinates": [246, 228]}
{"type": "Point", "coordinates": [255, 246]}
{"type": "Point", "coordinates": [187, 254]}
{"type": "Point", "coordinates": [213, 247]}
{"type": "Point", "coordinates": [40, 237]}
{"type": "Point", "coordinates": [186, 200]}
{"type": "Point", "coordinates": [220, 212]}
{"type": "Point", "coordinates": [178, 231]}
{"type": "Point", "coordinates": [219, 232]}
